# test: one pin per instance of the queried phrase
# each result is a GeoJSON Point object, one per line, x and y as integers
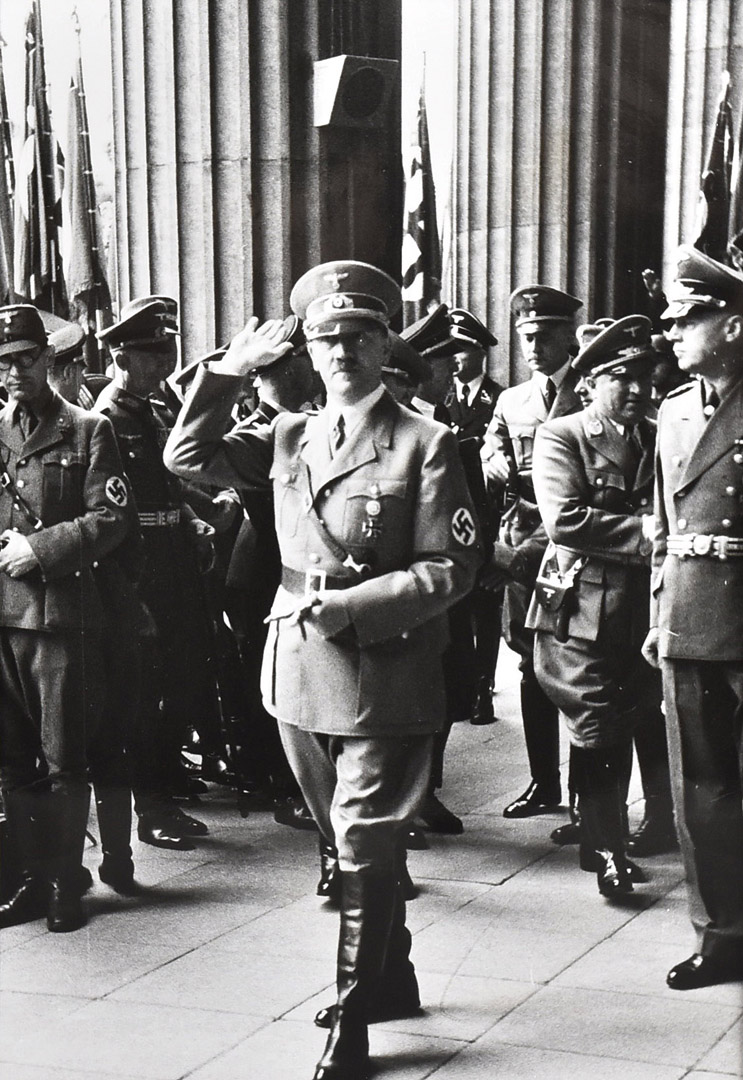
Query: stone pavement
{"type": "Point", "coordinates": [215, 972]}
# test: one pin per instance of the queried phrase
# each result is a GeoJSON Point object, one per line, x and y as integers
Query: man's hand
{"type": "Point", "coordinates": [650, 647]}
{"type": "Point", "coordinates": [226, 505]}
{"type": "Point", "coordinates": [202, 533]}
{"type": "Point", "coordinates": [253, 348]}
{"type": "Point", "coordinates": [497, 469]}
{"type": "Point", "coordinates": [16, 554]}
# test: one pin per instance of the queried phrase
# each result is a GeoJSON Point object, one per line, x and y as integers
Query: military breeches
{"type": "Point", "coordinates": [362, 792]}
{"type": "Point", "coordinates": [602, 691]}
{"type": "Point", "coordinates": [52, 688]}
{"type": "Point", "coordinates": [704, 715]}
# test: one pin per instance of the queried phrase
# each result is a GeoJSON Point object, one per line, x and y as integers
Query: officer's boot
{"type": "Point", "coordinates": [329, 885]}
{"type": "Point", "coordinates": [114, 809]}
{"type": "Point", "coordinates": [28, 901]}
{"type": "Point", "coordinates": [602, 824]}
{"type": "Point", "coordinates": [367, 908]}
{"type": "Point", "coordinates": [570, 833]}
{"type": "Point", "coordinates": [67, 819]}
{"type": "Point", "coordinates": [656, 833]}
{"type": "Point", "coordinates": [482, 708]}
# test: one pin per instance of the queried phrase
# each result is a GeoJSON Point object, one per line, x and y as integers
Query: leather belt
{"type": "Point", "coordinates": [159, 517]}
{"type": "Point", "coordinates": [302, 582]}
{"type": "Point", "coordinates": [701, 545]}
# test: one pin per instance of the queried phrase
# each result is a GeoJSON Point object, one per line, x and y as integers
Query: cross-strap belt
{"type": "Point", "coordinates": [704, 546]}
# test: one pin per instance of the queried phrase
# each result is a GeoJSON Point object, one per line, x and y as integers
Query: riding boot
{"type": "Point", "coordinates": [28, 901]}
{"type": "Point", "coordinates": [367, 908]}
{"type": "Point", "coordinates": [603, 815]}
{"type": "Point", "coordinates": [67, 818]}
{"type": "Point", "coordinates": [114, 809]}
{"type": "Point", "coordinates": [329, 885]}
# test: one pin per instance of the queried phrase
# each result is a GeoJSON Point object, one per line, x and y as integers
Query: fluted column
{"type": "Point", "coordinates": [551, 133]}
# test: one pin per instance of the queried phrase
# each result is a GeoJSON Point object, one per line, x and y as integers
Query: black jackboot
{"type": "Point", "coordinates": [28, 902]}
{"type": "Point", "coordinates": [603, 810]}
{"type": "Point", "coordinates": [367, 909]}
{"type": "Point", "coordinates": [656, 833]}
{"type": "Point", "coordinates": [67, 819]}
{"type": "Point", "coordinates": [114, 809]}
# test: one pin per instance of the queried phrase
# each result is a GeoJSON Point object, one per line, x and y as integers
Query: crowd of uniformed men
{"type": "Point", "coordinates": [297, 581]}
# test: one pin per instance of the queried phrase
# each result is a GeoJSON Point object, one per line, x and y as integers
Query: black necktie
{"type": "Point", "coordinates": [712, 400]}
{"type": "Point", "coordinates": [26, 420]}
{"type": "Point", "coordinates": [550, 393]}
{"type": "Point", "coordinates": [337, 435]}
{"type": "Point", "coordinates": [465, 395]}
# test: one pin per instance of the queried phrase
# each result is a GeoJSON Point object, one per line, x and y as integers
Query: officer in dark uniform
{"type": "Point", "coordinates": [545, 324]}
{"type": "Point", "coordinates": [593, 479]}
{"type": "Point", "coordinates": [63, 507]}
{"type": "Point", "coordinates": [115, 578]}
{"type": "Point", "coordinates": [377, 538]}
{"type": "Point", "coordinates": [697, 615]}
{"type": "Point", "coordinates": [175, 669]}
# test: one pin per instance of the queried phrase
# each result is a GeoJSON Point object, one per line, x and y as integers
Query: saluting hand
{"type": "Point", "coordinates": [254, 347]}
{"type": "Point", "coordinates": [16, 554]}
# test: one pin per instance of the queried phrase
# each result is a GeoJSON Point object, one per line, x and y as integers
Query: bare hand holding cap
{"type": "Point", "coordinates": [255, 347]}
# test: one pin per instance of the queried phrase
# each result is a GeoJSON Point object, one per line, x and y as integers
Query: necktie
{"type": "Point", "coordinates": [465, 395]}
{"type": "Point", "coordinates": [26, 420]}
{"type": "Point", "coordinates": [711, 403]}
{"type": "Point", "coordinates": [550, 393]}
{"type": "Point", "coordinates": [337, 435]}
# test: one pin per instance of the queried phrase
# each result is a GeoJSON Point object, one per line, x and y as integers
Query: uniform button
{"type": "Point", "coordinates": [643, 502]}
{"type": "Point", "coordinates": [676, 459]}
{"type": "Point", "coordinates": [730, 490]}
{"type": "Point", "coordinates": [77, 573]}
{"type": "Point", "coordinates": [374, 490]}
{"type": "Point", "coordinates": [285, 478]}
{"type": "Point", "coordinates": [405, 635]}
{"type": "Point", "coordinates": [726, 523]}
{"type": "Point", "coordinates": [681, 523]}
{"type": "Point", "coordinates": [22, 462]}
{"type": "Point", "coordinates": [132, 454]}
{"type": "Point", "coordinates": [681, 495]}
{"type": "Point", "coordinates": [95, 565]}
{"type": "Point", "coordinates": [599, 481]}
{"type": "Point", "coordinates": [314, 557]}
{"type": "Point", "coordinates": [64, 461]}
{"type": "Point", "coordinates": [737, 458]}
{"type": "Point", "coordinates": [20, 483]}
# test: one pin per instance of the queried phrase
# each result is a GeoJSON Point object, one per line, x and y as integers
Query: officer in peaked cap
{"type": "Point", "coordinates": [68, 364]}
{"type": "Point", "coordinates": [405, 370]}
{"type": "Point", "coordinates": [545, 325]}
{"type": "Point", "coordinates": [593, 479]}
{"type": "Point", "coordinates": [143, 344]}
{"type": "Point", "coordinates": [696, 616]}
{"type": "Point", "coordinates": [63, 506]}
{"type": "Point", "coordinates": [377, 538]}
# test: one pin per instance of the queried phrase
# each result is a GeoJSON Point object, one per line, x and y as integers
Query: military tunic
{"type": "Point", "coordinates": [699, 615]}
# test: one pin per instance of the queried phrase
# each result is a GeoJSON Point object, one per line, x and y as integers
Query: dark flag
{"type": "Point", "coordinates": [7, 183]}
{"type": "Point", "coordinates": [421, 250]}
{"type": "Point", "coordinates": [38, 206]}
{"type": "Point", "coordinates": [715, 185]}
{"type": "Point", "coordinates": [87, 288]}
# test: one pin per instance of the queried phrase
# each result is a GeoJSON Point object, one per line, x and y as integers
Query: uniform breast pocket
{"type": "Point", "coordinates": [373, 508]}
{"type": "Point", "coordinates": [522, 440]}
{"type": "Point", "coordinates": [64, 474]}
{"type": "Point", "coordinates": [289, 499]}
{"type": "Point", "coordinates": [609, 489]}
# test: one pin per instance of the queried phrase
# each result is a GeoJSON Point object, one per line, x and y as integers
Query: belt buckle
{"type": "Point", "coordinates": [701, 544]}
{"type": "Point", "coordinates": [314, 581]}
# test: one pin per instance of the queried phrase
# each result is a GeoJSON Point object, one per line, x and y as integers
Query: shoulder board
{"type": "Point", "coordinates": [683, 389]}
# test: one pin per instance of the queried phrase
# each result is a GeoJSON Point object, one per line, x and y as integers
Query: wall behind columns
{"type": "Point", "coordinates": [225, 192]}
{"type": "Point", "coordinates": [561, 126]}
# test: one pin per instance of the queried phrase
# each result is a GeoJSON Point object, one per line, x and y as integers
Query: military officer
{"type": "Point", "coordinates": [63, 507]}
{"type": "Point", "coordinates": [545, 324]}
{"type": "Point", "coordinates": [377, 538]}
{"type": "Point", "coordinates": [593, 479]}
{"type": "Point", "coordinates": [175, 643]}
{"type": "Point", "coordinates": [697, 616]}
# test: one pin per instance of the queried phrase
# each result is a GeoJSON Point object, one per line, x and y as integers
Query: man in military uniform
{"type": "Point", "coordinates": [62, 508]}
{"type": "Point", "coordinates": [545, 324]}
{"type": "Point", "coordinates": [175, 649]}
{"type": "Point", "coordinates": [697, 616]}
{"type": "Point", "coordinates": [593, 479]}
{"type": "Point", "coordinates": [377, 539]}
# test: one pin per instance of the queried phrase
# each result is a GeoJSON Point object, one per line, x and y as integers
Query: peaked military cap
{"type": "Point", "coordinates": [21, 329]}
{"type": "Point", "coordinates": [294, 334]}
{"type": "Point", "coordinates": [588, 331]}
{"type": "Point", "coordinates": [465, 331]}
{"type": "Point", "coordinates": [616, 346]}
{"type": "Point", "coordinates": [149, 321]}
{"type": "Point", "coordinates": [405, 361]}
{"type": "Point", "coordinates": [700, 281]}
{"type": "Point", "coordinates": [541, 303]}
{"type": "Point", "coordinates": [342, 293]}
{"type": "Point", "coordinates": [68, 338]}
{"type": "Point", "coordinates": [428, 332]}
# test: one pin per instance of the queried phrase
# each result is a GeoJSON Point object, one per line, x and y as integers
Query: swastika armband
{"type": "Point", "coordinates": [116, 491]}
{"type": "Point", "coordinates": [463, 527]}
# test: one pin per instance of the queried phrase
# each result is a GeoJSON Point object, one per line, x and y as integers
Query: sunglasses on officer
{"type": "Point", "coordinates": [23, 360]}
